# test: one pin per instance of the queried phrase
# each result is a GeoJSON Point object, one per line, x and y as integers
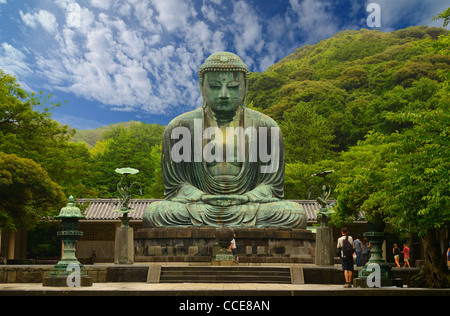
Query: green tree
{"type": "Point", "coordinates": [127, 147]}
{"type": "Point", "coordinates": [444, 15]}
{"type": "Point", "coordinates": [307, 135]}
{"type": "Point", "coordinates": [300, 184]}
{"type": "Point", "coordinates": [402, 179]}
{"type": "Point", "coordinates": [27, 130]}
{"type": "Point", "coordinates": [27, 194]}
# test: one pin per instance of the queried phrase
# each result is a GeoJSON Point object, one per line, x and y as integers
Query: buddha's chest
{"type": "Point", "coordinates": [224, 150]}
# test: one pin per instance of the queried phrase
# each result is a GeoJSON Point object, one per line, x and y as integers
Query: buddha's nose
{"type": "Point", "coordinates": [224, 92]}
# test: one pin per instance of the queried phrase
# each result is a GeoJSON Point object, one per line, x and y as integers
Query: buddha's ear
{"type": "Point", "coordinates": [202, 90]}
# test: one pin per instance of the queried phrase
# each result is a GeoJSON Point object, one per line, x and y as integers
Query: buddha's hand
{"type": "Point", "coordinates": [188, 194]}
{"type": "Point", "coordinates": [224, 200]}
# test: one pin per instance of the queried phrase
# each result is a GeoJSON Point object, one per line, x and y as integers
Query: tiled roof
{"type": "Point", "coordinates": [103, 209]}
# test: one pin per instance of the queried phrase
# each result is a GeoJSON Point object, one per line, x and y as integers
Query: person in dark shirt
{"type": "Point", "coordinates": [396, 252]}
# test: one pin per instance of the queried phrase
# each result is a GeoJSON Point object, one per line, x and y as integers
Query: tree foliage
{"type": "Point", "coordinates": [383, 99]}
{"type": "Point", "coordinates": [27, 194]}
{"type": "Point", "coordinates": [137, 147]}
{"type": "Point", "coordinates": [27, 130]}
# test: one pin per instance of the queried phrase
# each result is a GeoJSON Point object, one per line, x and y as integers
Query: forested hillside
{"type": "Point", "coordinates": [373, 107]}
{"type": "Point", "coordinates": [327, 97]}
{"type": "Point", "coordinates": [91, 136]}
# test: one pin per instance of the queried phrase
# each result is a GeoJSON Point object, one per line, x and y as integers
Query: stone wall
{"type": "Point", "coordinates": [36, 273]}
{"type": "Point", "coordinates": [198, 244]}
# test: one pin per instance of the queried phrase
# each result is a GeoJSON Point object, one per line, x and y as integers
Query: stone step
{"type": "Point", "coordinates": [223, 274]}
{"type": "Point", "coordinates": [221, 279]}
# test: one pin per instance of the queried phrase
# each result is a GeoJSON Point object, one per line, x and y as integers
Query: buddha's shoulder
{"type": "Point", "coordinates": [259, 118]}
{"type": "Point", "coordinates": [186, 119]}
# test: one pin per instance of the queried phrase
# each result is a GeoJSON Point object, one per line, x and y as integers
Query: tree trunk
{"type": "Point", "coordinates": [434, 273]}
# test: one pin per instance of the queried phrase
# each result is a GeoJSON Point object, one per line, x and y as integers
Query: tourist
{"type": "Point", "coordinates": [358, 249]}
{"type": "Point", "coordinates": [233, 245]}
{"type": "Point", "coordinates": [365, 250]}
{"type": "Point", "coordinates": [345, 243]}
{"type": "Point", "coordinates": [406, 252]}
{"type": "Point", "coordinates": [396, 252]}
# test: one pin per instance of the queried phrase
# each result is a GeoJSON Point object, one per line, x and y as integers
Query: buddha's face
{"type": "Point", "coordinates": [224, 91]}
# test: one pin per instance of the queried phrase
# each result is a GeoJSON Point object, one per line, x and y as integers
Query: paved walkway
{"type": "Point", "coordinates": [210, 289]}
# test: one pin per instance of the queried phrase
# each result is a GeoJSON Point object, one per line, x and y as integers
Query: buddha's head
{"type": "Point", "coordinates": [223, 82]}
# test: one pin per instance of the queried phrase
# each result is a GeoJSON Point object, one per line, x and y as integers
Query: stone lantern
{"type": "Point", "coordinates": [68, 271]}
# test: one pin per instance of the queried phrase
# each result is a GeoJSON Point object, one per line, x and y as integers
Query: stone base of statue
{"type": "Point", "coordinates": [199, 244]}
{"type": "Point", "coordinates": [124, 246]}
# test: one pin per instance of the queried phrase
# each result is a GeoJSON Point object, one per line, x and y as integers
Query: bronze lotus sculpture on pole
{"type": "Point", "coordinates": [124, 242]}
{"type": "Point", "coordinates": [324, 239]}
{"type": "Point", "coordinates": [125, 194]}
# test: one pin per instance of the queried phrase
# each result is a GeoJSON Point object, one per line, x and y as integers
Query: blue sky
{"type": "Point", "coordinates": [115, 61]}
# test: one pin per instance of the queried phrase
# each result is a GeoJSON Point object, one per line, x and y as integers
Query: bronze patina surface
{"type": "Point", "coordinates": [245, 188]}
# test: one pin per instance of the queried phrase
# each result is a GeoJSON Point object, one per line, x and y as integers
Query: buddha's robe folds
{"type": "Point", "coordinates": [186, 181]}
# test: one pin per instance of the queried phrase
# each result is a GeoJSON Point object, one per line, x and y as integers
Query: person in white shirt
{"type": "Point", "coordinates": [233, 245]}
{"type": "Point", "coordinates": [346, 256]}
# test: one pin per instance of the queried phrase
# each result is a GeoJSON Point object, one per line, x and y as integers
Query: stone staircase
{"type": "Point", "coordinates": [225, 274]}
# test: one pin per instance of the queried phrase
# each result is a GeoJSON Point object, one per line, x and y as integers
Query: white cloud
{"type": "Point", "coordinates": [13, 61]}
{"type": "Point", "coordinates": [102, 4]}
{"type": "Point", "coordinates": [247, 31]}
{"type": "Point", "coordinates": [173, 14]}
{"type": "Point", "coordinates": [209, 12]}
{"type": "Point", "coordinates": [43, 18]}
{"type": "Point", "coordinates": [314, 19]}
{"type": "Point", "coordinates": [143, 56]}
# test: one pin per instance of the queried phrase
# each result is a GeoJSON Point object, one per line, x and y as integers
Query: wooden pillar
{"type": "Point", "coordinates": [11, 245]}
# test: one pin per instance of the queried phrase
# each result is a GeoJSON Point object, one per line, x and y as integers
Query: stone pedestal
{"type": "Point", "coordinates": [376, 267]}
{"type": "Point", "coordinates": [199, 244]}
{"type": "Point", "coordinates": [68, 272]}
{"type": "Point", "coordinates": [324, 247]}
{"type": "Point", "coordinates": [124, 246]}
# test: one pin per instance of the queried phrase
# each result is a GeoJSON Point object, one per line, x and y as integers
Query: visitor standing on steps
{"type": "Point", "coordinates": [396, 252]}
{"type": "Point", "coordinates": [233, 245]}
{"type": "Point", "coordinates": [345, 244]}
{"type": "Point", "coordinates": [406, 252]}
{"type": "Point", "coordinates": [358, 250]}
